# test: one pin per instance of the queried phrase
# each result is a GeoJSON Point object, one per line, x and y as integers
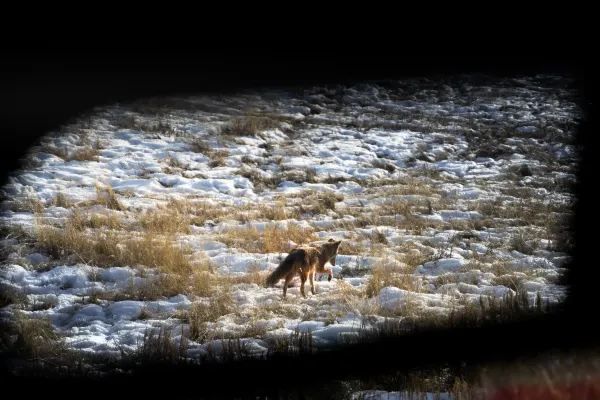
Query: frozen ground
{"type": "Point", "coordinates": [442, 192]}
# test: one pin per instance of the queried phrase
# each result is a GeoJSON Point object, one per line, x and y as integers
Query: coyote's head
{"type": "Point", "coordinates": [329, 251]}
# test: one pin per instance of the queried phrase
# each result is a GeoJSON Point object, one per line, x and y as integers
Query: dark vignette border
{"type": "Point", "coordinates": [45, 86]}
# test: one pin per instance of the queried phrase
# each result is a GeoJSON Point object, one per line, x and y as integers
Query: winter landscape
{"type": "Point", "coordinates": [151, 226]}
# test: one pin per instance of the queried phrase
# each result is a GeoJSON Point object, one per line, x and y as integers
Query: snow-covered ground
{"type": "Point", "coordinates": [441, 191]}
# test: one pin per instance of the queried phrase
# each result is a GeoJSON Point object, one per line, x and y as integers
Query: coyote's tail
{"type": "Point", "coordinates": [281, 271]}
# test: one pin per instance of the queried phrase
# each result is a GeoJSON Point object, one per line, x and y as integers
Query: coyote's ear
{"type": "Point", "coordinates": [331, 240]}
{"type": "Point", "coordinates": [338, 242]}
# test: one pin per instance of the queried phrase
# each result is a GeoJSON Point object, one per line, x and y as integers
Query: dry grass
{"type": "Point", "coordinates": [204, 283]}
{"type": "Point", "coordinates": [80, 220]}
{"type": "Point", "coordinates": [254, 328]}
{"type": "Point", "coordinates": [259, 180]}
{"type": "Point", "coordinates": [11, 295]}
{"type": "Point", "coordinates": [165, 221]}
{"type": "Point", "coordinates": [111, 248]}
{"type": "Point", "coordinates": [297, 343]}
{"type": "Point", "coordinates": [156, 287]}
{"type": "Point", "coordinates": [175, 164]}
{"type": "Point", "coordinates": [30, 204]}
{"type": "Point", "coordinates": [201, 314]}
{"type": "Point", "coordinates": [413, 257]}
{"type": "Point", "coordinates": [106, 197]}
{"type": "Point", "coordinates": [319, 202]}
{"type": "Point", "coordinates": [254, 275]}
{"type": "Point", "coordinates": [61, 200]}
{"type": "Point", "coordinates": [244, 237]}
{"type": "Point", "coordinates": [401, 214]}
{"type": "Point", "coordinates": [249, 125]}
{"type": "Point", "coordinates": [396, 206]}
{"type": "Point", "coordinates": [86, 150]}
{"type": "Point", "coordinates": [36, 338]}
{"type": "Point", "coordinates": [199, 145]}
{"type": "Point", "coordinates": [251, 160]}
{"type": "Point", "coordinates": [158, 346]}
{"type": "Point", "coordinates": [499, 268]}
{"type": "Point", "coordinates": [524, 241]}
{"type": "Point", "coordinates": [84, 154]}
{"type": "Point", "coordinates": [492, 208]}
{"type": "Point", "coordinates": [218, 158]}
{"type": "Point", "coordinates": [277, 211]}
{"type": "Point", "coordinates": [60, 152]}
{"type": "Point", "coordinates": [527, 211]}
{"type": "Point", "coordinates": [70, 240]}
{"type": "Point", "coordinates": [277, 309]}
{"type": "Point", "coordinates": [108, 220]}
{"type": "Point", "coordinates": [277, 239]}
{"type": "Point", "coordinates": [350, 297]}
{"type": "Point", "coordinates": [409, 185]}
{"type": "Point", "coordinates": [355, 247]}
{"type": "Point", "coordinates": [390, 273]}
{"type": "Point", "coordinates": [510, 281]}
{"type": "Point", "coordinates": [378, 237]}
{"type": "Point", "coordinates": [467, 225]}
{"type": "Point", "coordinates": [273, 239]}
{"type": "Point", "coordinates": [416, 224]}
{"type": "Point", "coordinates": [310, 175]}
{"type": "Point", "coordinates": [327, 201]}
{"type": "Point", "coordinates": [198, 212]}
{"type": "Point", "coordinates": [158, 252]}
{"type": "Point", "coordinates": [199, 281]}
{"type": "Point", "coordinates": [382, 164]}
{"type": "Point", "coordinates": [519, 192]}
{"type": "Point", "coordinates": [139, 123]}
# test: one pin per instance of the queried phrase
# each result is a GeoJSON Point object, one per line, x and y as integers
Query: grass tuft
{"type": "Point", "coordinates": [165, 221]}
{"type": "Point", "coordinates": [273, 239]}
{"type": "Point", "coordinates": [390, 273]}
{"type": "Point", "coordinates": [106, 196]}
{"type": "Point", "coordinates": [249, 126]}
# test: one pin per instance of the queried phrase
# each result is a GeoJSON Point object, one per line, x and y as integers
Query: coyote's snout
{"type": "Point", "coordinates": [307, 261]}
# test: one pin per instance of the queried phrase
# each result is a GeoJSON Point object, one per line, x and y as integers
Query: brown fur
{"type": "Point", "coordinates": [305, 261]}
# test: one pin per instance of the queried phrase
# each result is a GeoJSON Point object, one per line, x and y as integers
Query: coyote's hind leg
{"type": "Point", "coordinates": [286, 283]}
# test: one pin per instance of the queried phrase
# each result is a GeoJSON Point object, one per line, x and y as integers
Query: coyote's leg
{"type": "Point", "coordinates": [326, 271]}
{"type": "Point", "coordinates": [323, 270]}
{"type": "Point", "coordinates": [312, 283]}
{"type": "Point", "coordinates": [288, 279]}
{"type": "Point", "coordinates": [303, 277]}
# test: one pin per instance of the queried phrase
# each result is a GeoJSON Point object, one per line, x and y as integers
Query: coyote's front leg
{"type": "Point", "coordinates": [312, 282]}
{"type": "Point", "coordinates": [303, 277]}
{"type": "Point", "coordinates": [323, 270]}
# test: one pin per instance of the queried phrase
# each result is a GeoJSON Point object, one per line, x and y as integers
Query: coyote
{"type": "Point", "coordinates": [305, 260]}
